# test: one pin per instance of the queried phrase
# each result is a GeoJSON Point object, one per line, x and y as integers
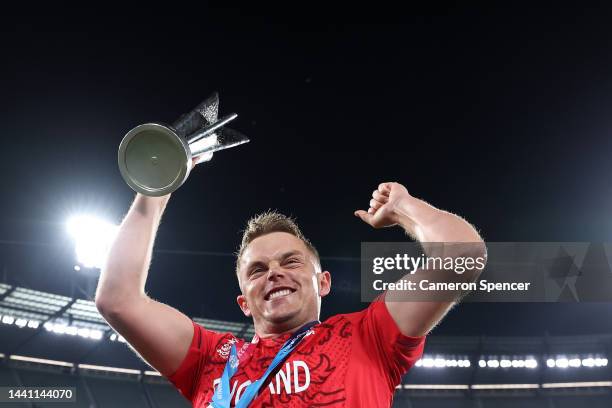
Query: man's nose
{"type": "Point", "coordinates": [274, 271]}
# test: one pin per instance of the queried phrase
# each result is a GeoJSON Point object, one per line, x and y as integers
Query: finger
{"type": "Point", "coordinates": [371, 210]}
{"type": "Point", "coordinates": [385, 187]}
{"type": "Point", "coordinates": [365, 217]}
{"type": "Point", "coordinates": [375, 204]}
{"type": "Point", "coordinates": [378, 196]}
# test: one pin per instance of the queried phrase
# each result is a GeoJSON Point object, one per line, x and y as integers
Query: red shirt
{"type": "Point", "coordinates": [349, 360]}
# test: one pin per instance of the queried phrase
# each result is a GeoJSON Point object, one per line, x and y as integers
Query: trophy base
{"type": "Point", "coordinates": [154, 160]}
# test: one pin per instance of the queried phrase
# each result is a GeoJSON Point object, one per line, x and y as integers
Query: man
{"type": "Point", "coordinates": [349, 360]}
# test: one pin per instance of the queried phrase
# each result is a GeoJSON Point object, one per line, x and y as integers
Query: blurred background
{"type": "Point", "coordinates": [498, 114]}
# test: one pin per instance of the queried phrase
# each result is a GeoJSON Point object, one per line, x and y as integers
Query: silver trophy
{"type": "Point", "coordinates": [155, 159]}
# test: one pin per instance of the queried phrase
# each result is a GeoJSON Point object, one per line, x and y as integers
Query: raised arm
{"type": "Point", "coordinates": [391, 204]}
{"type": "Point", "coordinates": [159, 333]}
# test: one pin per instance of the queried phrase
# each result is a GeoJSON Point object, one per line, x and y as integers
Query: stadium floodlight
{"type": "Point", "coordinates": [493, 363]}
{"type": "Point", "coordinates": [601, 362]}
{"type": "Point", "coordinates": [562, 362]}
{"type": "Point", "coordinates": [588, 362]}
{"type": "Point", "coordinates": [550, 363]}
{"type": "Point", "coordinates": [528, 362]}
{"type": "Point", "coordinates": [33, 324]}
{"type": "Point", "coordinates": [425, 361]}
{"type": "Point", "coordinates": [21, 322]}
{"type": "Point", "coordinates": [93, 238]}
{"type": "Point", "coordinates": [119, 338]}
{"type": "Point", "coordinates": [574, 362]}
{"type": "Point", "coordinates": [59, 328]}
{"type": "Point", "coordinates": [462, 363]}
{"type": "Point", "coordinates": [95, 334]}
{"type": "Point", "coordinates": [428, 362]}
{"type": "Point", "coordinates": [83, 332]}
{"type": "Point", "coordinates": [6, 319]}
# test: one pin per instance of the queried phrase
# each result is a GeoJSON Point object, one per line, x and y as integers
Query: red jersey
{"type": "Point", "coordinates": [349, 360]}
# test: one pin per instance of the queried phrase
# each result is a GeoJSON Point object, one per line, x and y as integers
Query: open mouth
{"type": "Point", "coordinates": [278, 293]}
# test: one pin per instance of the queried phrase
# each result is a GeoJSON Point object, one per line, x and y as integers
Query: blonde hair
{"type": "Point", "coordinates": [267, 223]}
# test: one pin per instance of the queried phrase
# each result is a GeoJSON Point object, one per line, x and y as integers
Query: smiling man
{"type": "Point", "coordinates": [279, 274]}
{"type": "Point", "coordinates": [294, 360]}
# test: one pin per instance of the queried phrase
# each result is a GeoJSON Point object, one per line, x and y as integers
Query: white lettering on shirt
{"type": "Point", "coordinates": [281, 380]}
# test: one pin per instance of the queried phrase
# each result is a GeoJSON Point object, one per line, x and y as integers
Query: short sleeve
{"type": "Point", "coordinates": [395, 352]}
{"type": "Point", "coordinates": [186, 377]}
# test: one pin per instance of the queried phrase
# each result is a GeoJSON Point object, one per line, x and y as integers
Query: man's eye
{"type": "Point", "coordinates": [293, 261]}
{"type": "Point", "coordinates": [256, 270]}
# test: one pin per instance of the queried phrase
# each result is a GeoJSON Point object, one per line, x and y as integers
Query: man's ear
{"type": "Point", "coordinates": [243, 305]}
{"type": "Point", "coordinates": [324, 283]}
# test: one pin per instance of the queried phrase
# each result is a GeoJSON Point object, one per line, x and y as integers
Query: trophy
{"type": "Point", "coordinates": [155, 159]}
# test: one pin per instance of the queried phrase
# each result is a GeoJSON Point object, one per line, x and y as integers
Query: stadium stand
{"type": "Point", "coordinates": [51, 340]}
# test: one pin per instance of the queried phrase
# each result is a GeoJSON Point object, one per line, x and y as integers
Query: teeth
{"type": "Point", "coordinates": [279, 293]}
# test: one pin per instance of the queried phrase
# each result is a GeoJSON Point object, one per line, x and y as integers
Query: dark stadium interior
{"type": "Point", "coordinates": [501, 115]}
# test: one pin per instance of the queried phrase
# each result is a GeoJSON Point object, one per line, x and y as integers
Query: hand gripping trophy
{"type": "Point", "coordinates": [155, 159]}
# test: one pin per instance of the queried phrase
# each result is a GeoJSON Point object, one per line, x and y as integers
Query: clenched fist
{"type": "Point", "coordinates": [383, 211]}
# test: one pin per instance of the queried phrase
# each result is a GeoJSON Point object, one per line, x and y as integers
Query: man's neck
{"type": "Point", "coordinates": [271, 331]}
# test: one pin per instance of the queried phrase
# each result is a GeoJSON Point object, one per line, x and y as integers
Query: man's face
{"type": "Point", "coordinates": [280, 282]}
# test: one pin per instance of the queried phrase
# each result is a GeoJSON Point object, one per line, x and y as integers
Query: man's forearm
{"type": "Point", "coordinates": [417, 312]}
{"type": "Point", "coordinates": [125, 273]}
{"type": "Point", "coordinates": [442, 235]}
{"type": "Point", "coordinates": [426, 223]}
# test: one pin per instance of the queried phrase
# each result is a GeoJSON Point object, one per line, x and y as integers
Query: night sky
{"type": "Point", "coordinates": [503, 116]}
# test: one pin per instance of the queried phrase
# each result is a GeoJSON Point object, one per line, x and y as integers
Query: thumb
{"type": "Point", "coordinates": [365, 217]}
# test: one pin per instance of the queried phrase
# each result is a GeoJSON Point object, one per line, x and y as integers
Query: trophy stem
{"type": "Point", "coordinates": [225, 139]}
{"type": "Point", "coordinates": [210, 129]}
